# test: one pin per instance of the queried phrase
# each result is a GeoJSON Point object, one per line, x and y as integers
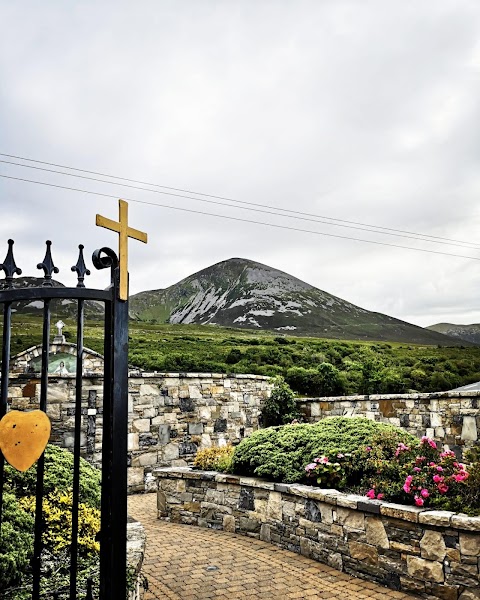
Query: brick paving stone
{"type": "Point", "coordinates": [178, 556]}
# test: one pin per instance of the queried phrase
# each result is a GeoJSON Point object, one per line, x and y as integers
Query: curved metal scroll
{"type": "Point", "coordinates": [110, 259]}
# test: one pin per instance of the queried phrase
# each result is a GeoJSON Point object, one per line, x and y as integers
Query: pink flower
{"type": "Point", "coordinates": [447, 453]}
{"type": "Point", "coordinates": [461, 476]}
{"type": "Point", "coordinates": [418, 501]}
{"type": "Point", "coordinates": [442, 488]}
{"type": "Point", "coordinates": [438, 478]}
{"type": "Point", "coordinates": [429, 441]}
{"type": "Point", "coordinates": [424, 493]}
{"type": "Point", "coordinates": [380, 496]}
{"type": "Point", "coordinates": [417, 469]}
{"type": "Point", "coordinates": [370, 494]}
{"type": "Point", "coordinates": [367, 449]}
{"type": "Point", "coordinates": [310, 467]}
{"type": "Point", "coordinates": [439, 468]}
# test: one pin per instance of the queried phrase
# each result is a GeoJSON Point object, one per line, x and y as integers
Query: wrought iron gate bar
{"type": "Point", "coordinates": [41, 293]}
{"type": "Point", "coordinates": [10, 269]}
{"type": "Point", "coordinates": [6, 340]}
{"type": "Point", "coordinates": [37, 543]}
{"type": "Point", "coordinates": [76, 451]}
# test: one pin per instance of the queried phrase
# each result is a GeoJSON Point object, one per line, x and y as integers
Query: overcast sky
{"type": "Point", "coordinates": [364, 111]}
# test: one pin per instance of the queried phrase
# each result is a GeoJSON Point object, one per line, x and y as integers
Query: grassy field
{"type": "Point", "coordinates": [312, 366]}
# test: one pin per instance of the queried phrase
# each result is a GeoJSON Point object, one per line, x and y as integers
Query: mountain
{"type": "Point", "coordinates": [245, 294]}
{"type": "Point", "coordinates": [60, 308]}
{"type": "Point", "coordinates": [469, 333]}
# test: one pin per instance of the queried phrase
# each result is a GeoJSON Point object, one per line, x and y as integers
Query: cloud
{"type": "Point", "coordinates": [367, 112]}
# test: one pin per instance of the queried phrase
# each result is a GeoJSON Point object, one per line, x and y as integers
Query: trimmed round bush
{"type": "Point", "coordinates": [281, 453]}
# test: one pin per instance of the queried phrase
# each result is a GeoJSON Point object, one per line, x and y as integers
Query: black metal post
{"type": "Point", "coordinates": [119, 446]}
{"type": "Point", "coordinates": [113, 567]}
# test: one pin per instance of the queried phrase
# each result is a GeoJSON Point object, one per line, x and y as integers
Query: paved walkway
{"type": "Point", "coordinates": [185, 562]}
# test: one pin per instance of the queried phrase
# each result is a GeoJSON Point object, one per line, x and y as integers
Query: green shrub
{"type": "Point", "coordinates": [281, 453]}
{"type": "Point", "coordinates": [58, 475]}
{"type": "Point", "coordinates": [281, 406]}
{"type": "Point", "coordinates": [16, 543]}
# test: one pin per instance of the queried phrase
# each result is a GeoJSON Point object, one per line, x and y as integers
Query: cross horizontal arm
{"type": "Point", "coordinates": [137, 235]}
{"type": "Point", "coordinates": [107, 223]}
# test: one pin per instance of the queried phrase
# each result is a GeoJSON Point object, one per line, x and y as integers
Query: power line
{"type": "Point", "coordinates": [460, 245]}
{"type": "Point", "coordinates": [395, 232]}
{"type": "Point", "coordinates": [198, 212]}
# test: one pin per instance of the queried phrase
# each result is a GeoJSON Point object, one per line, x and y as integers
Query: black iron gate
{"type": "Point", "coordinates": [112, 537]}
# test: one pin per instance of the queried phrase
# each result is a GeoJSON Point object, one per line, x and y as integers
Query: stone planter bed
{"type": "Point", "coordinates": [435, 554]}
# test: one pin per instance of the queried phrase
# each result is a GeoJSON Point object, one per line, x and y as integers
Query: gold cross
{"type": "Point", "coordinates": [124, 232]}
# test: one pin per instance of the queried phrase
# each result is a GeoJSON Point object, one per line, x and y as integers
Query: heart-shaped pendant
{"type": "Point", "coordinates": [23, 437]}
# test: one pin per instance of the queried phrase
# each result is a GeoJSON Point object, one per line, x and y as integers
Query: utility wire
{"type": "Point", "coordinates": [461, 244]}
{"type": "Point", "coordinates": [198, 212]}
{"type": "Point", "coordinates": [420, 236]}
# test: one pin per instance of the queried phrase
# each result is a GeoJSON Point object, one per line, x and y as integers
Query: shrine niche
{"type": "Point", "coordinates": [61, 361]}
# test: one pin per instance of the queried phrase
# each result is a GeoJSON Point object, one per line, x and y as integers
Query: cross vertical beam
{"type": "Point", "coordinates": [124, 232]}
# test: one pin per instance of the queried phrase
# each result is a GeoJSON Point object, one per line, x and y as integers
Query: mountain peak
{"type": "Point", "coordinates": [243, 293]}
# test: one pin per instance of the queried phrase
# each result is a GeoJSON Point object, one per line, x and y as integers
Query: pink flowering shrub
{"type": "Point", "coordinates": [427, 475]}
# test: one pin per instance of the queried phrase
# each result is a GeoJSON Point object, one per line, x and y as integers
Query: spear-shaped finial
{"type": "Point", "coordinates": [47, 266]}
{"type": "Point", "coordinates": [81, 268]}
{"type": "Point", "coordinates": [9, 266]}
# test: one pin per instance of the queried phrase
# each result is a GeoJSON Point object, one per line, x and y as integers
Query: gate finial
{"type": "Point", "coordinates": [80, 268]}
{"type": "Point", "coordinates": [124, 232]}
{"type": "Point", "coordinates": [9, 266]}
{"type": "Point", "coordinates": [48, 266]}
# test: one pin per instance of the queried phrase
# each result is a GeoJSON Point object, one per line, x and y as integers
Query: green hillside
{"type": "Point", "coordinates": [312, 366]}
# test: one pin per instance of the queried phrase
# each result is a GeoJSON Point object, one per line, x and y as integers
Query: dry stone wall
{"type": "Point", "coordinates": [451, 418]}
{"type": "Point", "coordinates": [171, 415]}
{"type": "Point", "coordinates": [434, 554]}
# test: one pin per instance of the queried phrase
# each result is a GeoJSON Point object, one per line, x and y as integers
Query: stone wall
{"type": "Point", "coordinates": [452, 418]}
{"type": "Point", "coordinates": [136, 543]}
{"type": "Point", "coordinates": [170, 415]}
{"type": "Point", "coordinates": [434, 554]}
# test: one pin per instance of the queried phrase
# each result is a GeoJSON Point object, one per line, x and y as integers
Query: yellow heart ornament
{"type": "Point", "coordinates": [23, 437]}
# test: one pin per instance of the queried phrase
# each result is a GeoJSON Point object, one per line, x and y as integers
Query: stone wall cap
{"type": "Point", "coordinates": [401, 511]}
{"type": "Point", "coordinates": [461, 521]}
{"type": "Point", "coordinates": [378, 397]}
{"type": "Point", "coordinates": [440, 518]}
{"type": "Point", "coordinates": [148, 374]}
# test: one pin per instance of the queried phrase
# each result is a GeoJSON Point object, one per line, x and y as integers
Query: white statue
{"type": "Point", "coordinates": [60, 325]}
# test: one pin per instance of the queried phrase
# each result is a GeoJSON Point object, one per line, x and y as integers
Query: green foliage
{"type": "Point", "coordinates": [327, 367]}
{"type": "Point", "coordinates": [58, 476]}
{"type": "Point", "coordinates": [16, 543]}
{"type": "Point", "coordinates": [281, 406]}
{"type": "Point", "coordinates": [281, 453]}
{"type": "Point", "coordinates": [17, 527]}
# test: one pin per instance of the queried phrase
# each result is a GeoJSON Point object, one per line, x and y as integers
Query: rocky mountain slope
{"type": "Point", "coordinates": [469, 333]}
{"type": "Point", "coordinates": [246, 294]}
